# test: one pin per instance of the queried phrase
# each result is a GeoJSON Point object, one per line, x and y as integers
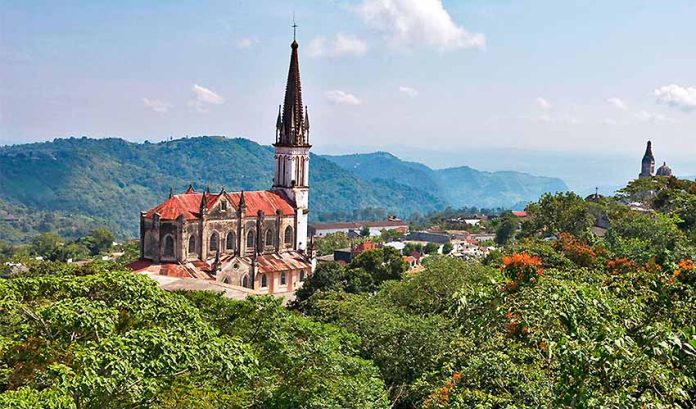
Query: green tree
{"type": "Point", "coordinates": [389, 235]}
{"type": "Point", "coordinates": [99, 240]}
{"type": "Point", "coordinates": [557, 213]}
{"type": "Point", "coordinates": [330, 242]}
{"type": "Point", "coordinates": [382, 264]}
{"type": "Point", "coordinates": [431, 248]}
{"type": "Point", "coordinates": [365, 231]}
{"type": "Point", "coordinates": [409, 248]}
{"type": "Point", "coordinates": [447, 248]}
{"type": "Point", "coordinates": [506, 228]}
{"type": "Point", "coordinates": [47, 245]}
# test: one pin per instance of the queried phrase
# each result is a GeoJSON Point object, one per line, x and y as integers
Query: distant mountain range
{"type": "Point", "coordinates": [71, 185]}
{"type": "Point", "coordinates": [458, 187]}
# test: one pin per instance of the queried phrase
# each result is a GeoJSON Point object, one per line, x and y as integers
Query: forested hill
{"type": "Point", "coordinates": [459, 186]}
{"type": "Point", "coordinates": [111, 180]}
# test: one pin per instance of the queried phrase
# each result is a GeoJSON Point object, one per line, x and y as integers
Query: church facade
{"type": "Point", "coordinates": [256, 240]}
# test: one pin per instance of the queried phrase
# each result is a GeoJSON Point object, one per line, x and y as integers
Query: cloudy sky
{"type": "Point", "coordinates": [589, 77]}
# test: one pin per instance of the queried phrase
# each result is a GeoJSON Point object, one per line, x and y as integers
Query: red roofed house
{"type": "Point", "coordinates": [256, 240]}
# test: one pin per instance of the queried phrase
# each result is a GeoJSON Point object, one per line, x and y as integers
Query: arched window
{"type": "Point", "coordinates": [264, 281]}
{"type": "Point", "coordinates": [268, 241]}
{"type": "Point", "coordinates": [230, 241]}
{"type": "Point", "coordinates": [245, 281]}
{"type": "Point", "coordinates": [288, 236]}
{"type": "Point", "coordinates": [302, 275]}
{"type": "Point", "coordinates": [250, 240]}
{"type": "Point", "coordinates": [283, 279]}
{"type": "Point", "coordinates": [192, 244]}
{"type": "Point", "coordinates": [214, 240]}
{"type": "Point", "coordinates": [226, 280]}
{"type": "Point", "coordinates": [169, 246]}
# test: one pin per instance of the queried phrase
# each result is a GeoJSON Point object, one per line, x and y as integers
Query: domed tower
{"type": "Point", "coordinates": [647, 168]}
{"type": "Point", "coordinates": [664, 170]}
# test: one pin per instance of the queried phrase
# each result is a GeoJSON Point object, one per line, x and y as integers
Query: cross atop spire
{"type": "Point", "coordinates": [294, 28]}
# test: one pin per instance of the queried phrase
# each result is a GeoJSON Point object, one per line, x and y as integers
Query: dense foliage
{"type": "Point", "coordinates": [113, 339]}
{"type": "Point", "coordinates": [558, 317]}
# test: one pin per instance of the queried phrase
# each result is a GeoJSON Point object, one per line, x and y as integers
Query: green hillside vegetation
{"type": "Point", "coordinates": [74, 185]}
{"type": "Point", "coordinates": [559, 317]}
{"type": "Point", "coordinates": [111, 179]}
{"type": "Point", "coordinates": [458, 187]}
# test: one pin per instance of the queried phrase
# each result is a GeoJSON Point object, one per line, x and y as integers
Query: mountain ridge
{"type": "Point", "coordinates": [112, 179]}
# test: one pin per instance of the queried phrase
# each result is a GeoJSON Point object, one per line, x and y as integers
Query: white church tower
{"type": "Point", "coordinates": [292, 150]}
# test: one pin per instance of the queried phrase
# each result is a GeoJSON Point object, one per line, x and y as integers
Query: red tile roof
{"type": "Point", "coordinates": [267, 263]}
{"type": "Point", "coordinates": [188, 204]}
{"type": "Point", "coordinates": [170, 269]}
{"type": "Point", "coordinates": [290, 260]}
{"type": "Point", "coordinates": [519, 213]}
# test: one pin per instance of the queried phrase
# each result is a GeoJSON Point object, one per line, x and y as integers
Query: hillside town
{"type": "Point", "coordinates": [515, 251]}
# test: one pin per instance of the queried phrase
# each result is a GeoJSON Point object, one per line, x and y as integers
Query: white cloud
{"type": "Point", "coordinates": [247, 42]}
{"type": "Point", "coordinates": [342, 45]}
{"type": "Point", "coordinates": [203, 97]}
{"type": "Point", "coordinates": [340, 97]}
{"type": "Point", "coordinates": [617, 103]}
{"type": "Point", "coordinates": [417, 22]}
{"type": "Point", "coordinates": [542, 103]}
{"type": "Point", "coordinates": [652, 117]}
{"type": "Point", "coordinates": [677, 96]}
{"type": "Point", "coordinates": [411, 92]}
{"type": "Point", "coordinates": [156, 105]}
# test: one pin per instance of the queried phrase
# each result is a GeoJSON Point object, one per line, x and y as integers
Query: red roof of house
{"type": "Point", "coordinates": [364, 246]}
{"type": "Point", "coordinates": [519, 213]}
{"type": "Point", "coordinates": [189, 204]}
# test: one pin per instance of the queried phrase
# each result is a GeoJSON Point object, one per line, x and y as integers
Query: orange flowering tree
{"type": "Point", "coordinates": [520, 268]}
{"type": "Point", "coordinates": [621, 266]}
{"type": "Point", "coordinates": [440, 398]}
{"type": "Point", "coordinates": [577, 251]}
{"type": "Point", "coordinates": [685, 271]}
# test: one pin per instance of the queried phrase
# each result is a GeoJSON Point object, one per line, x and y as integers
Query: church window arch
{"type": "Point", "coordinates": [226, 280]}
{"type": "Point", "coordinates": [283, 278]}
{"type": "Point", "coordinates": [192, 244]}
{"type": "Point", "coordinates": [264, 281]}
{"type": "Point", "coordinates": [214, 242]}
{"type": "Point", "coordinates": [250, 240]}
{"type": "Point", "coordinates": [287, 239]}
{"type": "Point", "coordinates": [168, 246]}
{"type": "Point", "coordinates": [230, 241]}
{"type": "Point", "coordinates": [245, 281]}
{"type": "Point", "coordinates": [268, 240]}
{"type": "Point", "coordinates": [302, 275]}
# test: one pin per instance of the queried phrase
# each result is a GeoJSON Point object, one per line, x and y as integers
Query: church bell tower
{"type": "Point", "coordinates": [292, 150]}
{"type": "Point", "coordinates": [647, 165]}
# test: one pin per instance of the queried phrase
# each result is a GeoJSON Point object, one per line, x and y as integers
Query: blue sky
{"type": "Point", "coordinates": [459, 77]}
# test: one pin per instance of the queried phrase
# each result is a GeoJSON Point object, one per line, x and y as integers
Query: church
{"type": "Point", "coordinates": [647, 165]}
{"type": "Point", "coordinates": [256, 240]}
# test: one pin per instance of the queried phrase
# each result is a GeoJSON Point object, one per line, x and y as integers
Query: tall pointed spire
{"type": "Point", "coordinates": [647, 165]}
{"type": "Point", "coordinates": [648, 152]}
{"type": "Point", "coordinates": [292, 126]}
